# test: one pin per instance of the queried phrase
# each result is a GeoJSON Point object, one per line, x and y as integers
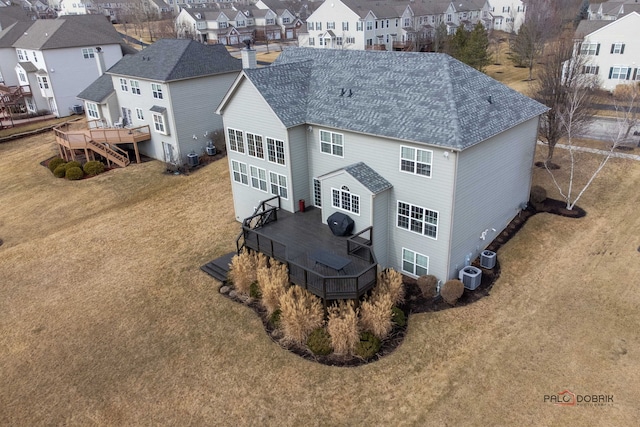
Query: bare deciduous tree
{"type": "Point", "coordinates": [564, 88]}
{"type": "Point", "coordinates": [627, 101]}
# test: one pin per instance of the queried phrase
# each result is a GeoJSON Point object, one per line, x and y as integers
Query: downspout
{"type": "Point", "coordinates": [453, 209]}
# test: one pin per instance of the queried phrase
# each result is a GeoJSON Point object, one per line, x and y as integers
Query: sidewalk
{"type": "Point", "coordinates": [597, 151]}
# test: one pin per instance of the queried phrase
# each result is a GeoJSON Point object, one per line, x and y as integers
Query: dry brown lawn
{"type": "Point", "coordinates": [106, 319]}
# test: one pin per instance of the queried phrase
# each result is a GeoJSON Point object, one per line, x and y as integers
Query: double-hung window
{"type": "Point", "coordinates": [414, 263]}
{"type": "Point", "coordinates": [239, 170]}
{"type": "Point", "coordinates": [92, 110]}
{"type": "Point", "coordinates": [590, 48]}
{"type": "Point", "coordinates": [369, 25]}
{"type": "Point", "coordinates": [254, 146]}
{"type": "Point", "coordinates": [617, 48]}
{"type": "Point", "coordinates": [124, 85]}
{"type": "Point", "coordinates": [418, 219]}
{"type": "Point", "coordinates": [236, 142]}
{"type": "Point", "coordinates": [415, 160]}
{"type": "Point", "coordinates": [359, 26]}
{"type": "Point", "coordinates": [619, 73]}
{"type": "Point", "coordinates": [158, 123]}
{"type": "Point", "coordinates": [278, 184]}
{"type": "Point", "coordinates": [275, 151]}
{"type": "Point", "coordinates": [135, 87]}
{"type": "Point", "coordinates": [139, 114]}
{"type": "Point", "coordinates": [258, 178]}
{"type": "Point", "coordinates": [87, 52]}
{"type": "Point", "coordinates": [20, 55]}
{"type": "Point", "coordinates": [156, 89]}
{"type": "Point", "coordinates": [331, 143]}
{"type": "Point", "coordinates": [345, 26]}
{"type": "Point", "coordinates": [345, 200]}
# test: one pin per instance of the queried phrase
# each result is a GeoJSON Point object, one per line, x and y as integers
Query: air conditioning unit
{"type": "Point", "coordinates": [77, 109]}
{"type": "Point", "coordinates": [488, 259]}
{"type": "Point", "coordinates": [471, 277]}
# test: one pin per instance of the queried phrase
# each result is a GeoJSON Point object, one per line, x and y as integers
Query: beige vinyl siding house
{"type": "Point", "coordinates": [436, 159]}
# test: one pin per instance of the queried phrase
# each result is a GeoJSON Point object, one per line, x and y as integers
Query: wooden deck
{"type": "Point", "coordinates": [293, 239]}
{"type": "Point", "coordinates": [101, 140]}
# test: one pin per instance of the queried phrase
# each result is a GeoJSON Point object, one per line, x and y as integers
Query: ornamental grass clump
{"type": "Point", "coordinates": [451, 291]}
{"type": "Point", "coordinates": [390, 282]}
{"type": "Point", "coordinates": [273, 282]}
{"type": "Point", "coordinates": [343, 327]}
{"type": "Point", "coordinates": [243, 271]}
{"type": "Point", "coordinates": [300, 313]}
{"type": "Point", "coordinates": [376, 314]}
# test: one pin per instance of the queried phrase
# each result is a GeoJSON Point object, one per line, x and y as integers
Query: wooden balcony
{"type": "Point", "coordinates": [376, 47]}
{"type": "Point", "coordinates": [99, 139]}
{"type": "Point", "coordinates": [303, 243]}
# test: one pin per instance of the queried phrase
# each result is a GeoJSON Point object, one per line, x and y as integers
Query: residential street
{"type": "Point", "coordinates": [605, 129]}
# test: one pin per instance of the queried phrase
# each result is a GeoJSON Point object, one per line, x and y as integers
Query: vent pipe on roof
{"type": "Point", "coordinates": [248, 56]}
{"type": "Point", "coordinates": [100, 61]}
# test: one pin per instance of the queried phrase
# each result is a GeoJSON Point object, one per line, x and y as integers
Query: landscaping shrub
{"type": "Point", "coordinates": [451, 291]}
{"type": "Point", "coordinates": [273, 282]}
{"type": "Point", "coordinates": [343, 327]}
{"type": "Point", "coordinates": [368, 346]}
{"type": "Point", "coordinates": [376, 315]}
{"type": "Point", "coordinates": [319, 342]}
{"type": "Point", "coordinates": [54, 163]}
{"type": "Point", "coordinates": [254, 291]}
{"type": "Point", "coordinates": [73, 164]}
{"type": "Point", "coordinates": [428, 285]}
{"type": "Point", "coordinates": [274, 318]}
{"type": "Point", "coordinates": [60, 171]}
{"type": "Point", "coordinates": [538, 195]}
{"type": "Point", "coordinates": [73, 173]}
{"type": "Point", "coordinates": [398, 317]}
{"type": "Point", "coordinates": [301, 313]}
{"type": "Point", "coordinates": [93, 168]}
{"type": "Point", "coordinates": [390, 282]}
{"type": "Point", "coordinates": [244, 268]}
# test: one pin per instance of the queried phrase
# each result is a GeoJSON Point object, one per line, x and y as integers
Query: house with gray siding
{"type": "Point", "coordinates": [435, 156]}
{"type": "Point", "coordinates": [172, 86]}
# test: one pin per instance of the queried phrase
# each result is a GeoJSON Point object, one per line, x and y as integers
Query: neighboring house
{"type": "Point", "coordinates": [59, 54]}
{"type": "Point", "coordinates": [8, 56]}
{"type": "Point", "coordinates": [12, 14]}
{"type": "Point", "coordinates": [75, 7]}
{"type": "Point", "coordinates": [508, 15]}
{"type": "Point", "coordinates": [612, 49]}
{"type": "Point", "coordinates": [434, 155]}
{"type": "Point", "coordinates": [171, 86]}
{"type": "Point", "coordinates": [288, 22]}
{"type": "Point", "coordinates": [388, 25]}
{"type": "Point", "coordinates": [612, 10]}
{"type": "Point", "coordinates": [206, 26]}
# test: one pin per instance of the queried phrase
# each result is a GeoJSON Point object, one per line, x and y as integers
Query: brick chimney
{"type": "Point", "coordinates": [249, 56]}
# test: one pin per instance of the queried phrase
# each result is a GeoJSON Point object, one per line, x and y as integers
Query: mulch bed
{"type": "Point", "coordinates": [415, 302]}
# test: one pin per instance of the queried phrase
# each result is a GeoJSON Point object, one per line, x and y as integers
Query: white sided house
{"type": "Point", "coordinates": [435, 156]}
{"type": "Point", "coordinates": [172, 86]}
{"type": "Point", "coordinates": [59, 56]}
{"type": "Point", "coordinates": [612, 49]}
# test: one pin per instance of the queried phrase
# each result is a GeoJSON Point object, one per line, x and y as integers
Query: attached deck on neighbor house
{"type": "Point", "coordinates": [97, 138]}
{"type": "Point", "coordinates": [331, 267]}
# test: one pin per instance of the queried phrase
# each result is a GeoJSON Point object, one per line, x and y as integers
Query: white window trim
{"type": "Point", "coordinates": [135, 87]}
{"type": "Point", "coordinates": [424, 222]}
{"type": "Point", "coordinates": [88, 53]}
{"type": "Point", "coordinates": [240, 172]}
{"type": "Point", "coordinates": [139, 114]}
{"type": "Point", "coordinates": [351, 197]}
{"type": "Point", "coordinates": [156, 90]}
{"type": "Point", "coordinates": [240, 148]}
{"type": "Point", "coordinates": [257, 177]}
{"type": "Point", "coordinates": [317, 192]}
{"type": "Point", "coordinates": [124, 85]}
{"type": "Point", "coordinates": [277, 183]}
{"type": "Point", "coordinates": [415, 161]}
{"type": "Point", "coordinates": [275, 152]}
{"type": "Point", "coordinates": [415, 254]}
{"type": "Point", "coordinates": [255, 144]}
{"type": "Point", "coordinates": [332, 145]}
{"type": "Point", "coordinates": [92, 107]}
{"type": "Point", "coordinates": [160, 122]}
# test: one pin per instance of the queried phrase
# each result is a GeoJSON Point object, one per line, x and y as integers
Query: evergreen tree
{"type": "Point", "coordinates": [458, 43]}
{"type": "Point", "coordinates": [476, 49]}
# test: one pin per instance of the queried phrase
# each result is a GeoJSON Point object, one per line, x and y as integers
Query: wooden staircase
{"type": "Point", "coordinates": [219, 267]}
{"type": "Point", "coordinates": [109, 153]}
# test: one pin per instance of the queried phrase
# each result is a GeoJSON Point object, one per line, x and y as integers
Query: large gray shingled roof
{"type": "Point", "coordinates": [69, 31]}
{"type": "Point", "coordinates": [172, 59]}
{"type": "Point", "coordinates": [430, 98]}
{"type": "Point", "coordinates": [99, 90]}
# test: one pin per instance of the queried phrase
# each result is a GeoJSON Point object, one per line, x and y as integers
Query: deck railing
{"type": "Point", "coordinates": [327, 287]}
